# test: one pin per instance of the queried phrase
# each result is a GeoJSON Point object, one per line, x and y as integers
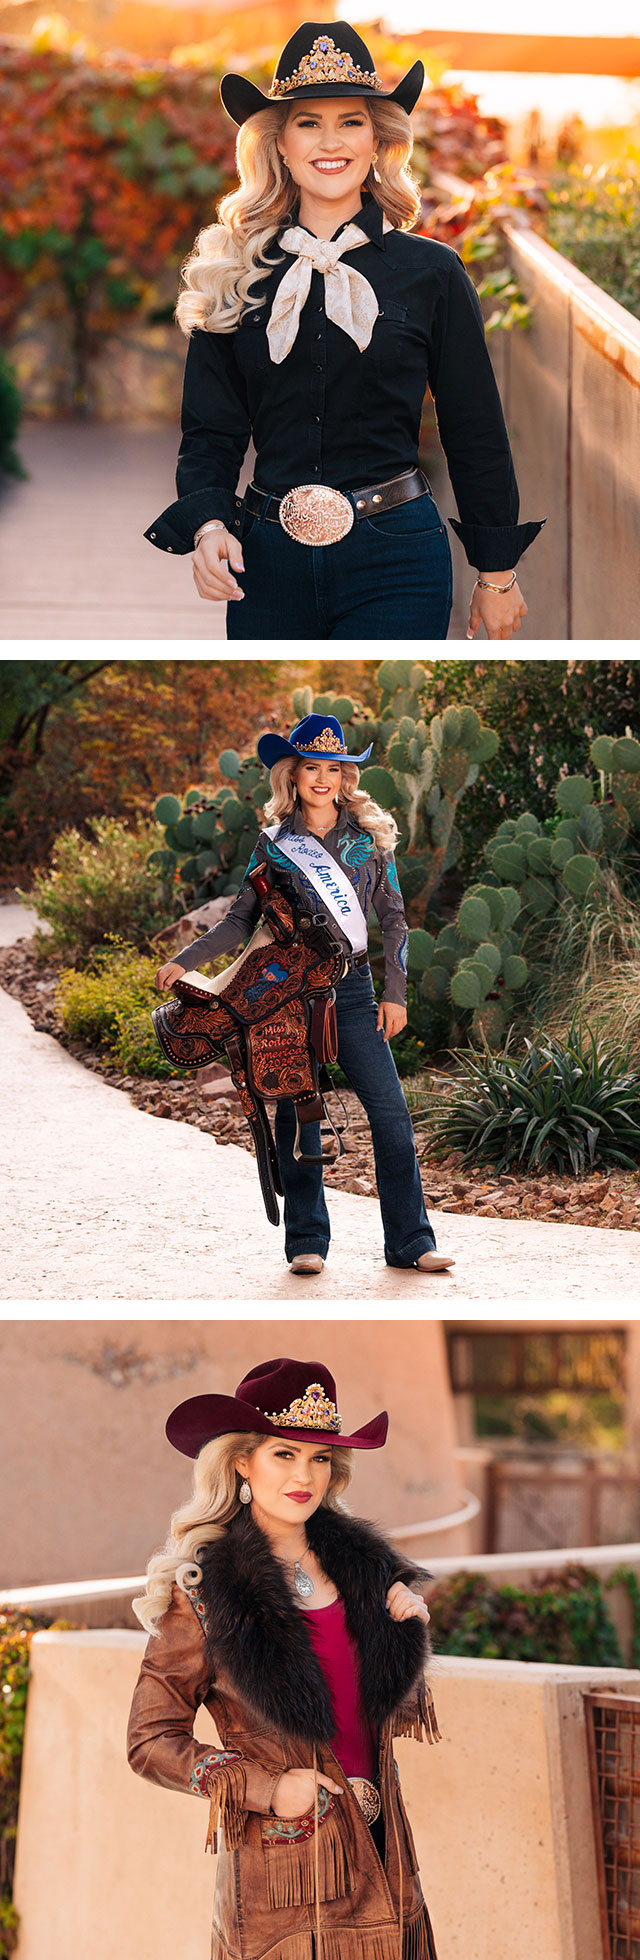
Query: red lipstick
{"type": "Point", "coordinates": [299, 1496]}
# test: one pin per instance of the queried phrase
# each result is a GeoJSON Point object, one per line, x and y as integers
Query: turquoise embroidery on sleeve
{"type": "Point", "coordinates": [403, 953]}
{"type": "Point", "coordinates": [392, 876]}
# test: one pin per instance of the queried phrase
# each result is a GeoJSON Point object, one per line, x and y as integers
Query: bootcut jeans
{"type": "Point", "coordinates": [368, 1063]}
{"type": "Point", "coordinates": [390, 578]}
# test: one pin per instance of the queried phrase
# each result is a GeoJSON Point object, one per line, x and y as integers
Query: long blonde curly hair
{"type": "Point", "coordinates": [207, 1513]}
{"type": "Point", "coordinates": [229, 259]}
{"type": "Point", "coordinates": [379, 824]}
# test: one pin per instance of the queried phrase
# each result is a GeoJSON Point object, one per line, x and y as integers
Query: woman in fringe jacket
{"type": "Point", "coordinates": [316, 1860]}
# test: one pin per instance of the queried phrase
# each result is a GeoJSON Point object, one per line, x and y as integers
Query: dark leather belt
{"type": "Point", "coordinates": [361, 959]}
{"type": "Point", "coordinates": [369, 501]}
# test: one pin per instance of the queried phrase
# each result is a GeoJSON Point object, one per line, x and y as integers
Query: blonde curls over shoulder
{"type": "Point", "coordinates": [214, 1501]}
{"type": "Point", "coordinates": [379, 824]}
{"type": "Point", "coordinates": [223, 273]}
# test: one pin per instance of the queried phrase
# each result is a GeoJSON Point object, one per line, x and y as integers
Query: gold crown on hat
{"type": "Point", "coordinates": [327, 743]}
{"type": "Point", "coordinates": [313, 1410]}
{"type": "Point", "coordinates": [325, 63]}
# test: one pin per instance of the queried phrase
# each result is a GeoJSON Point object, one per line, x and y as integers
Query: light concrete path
{"type": "Point", "coordinates": [74, 563]}
{"type": "Point", "coordinates": [103, 1202]}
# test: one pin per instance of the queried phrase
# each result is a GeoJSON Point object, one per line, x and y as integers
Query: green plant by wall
{"type": "Point", "coordinates": [10, 416]}
{"type": "Point", "coordinates": [594, 219]}
{"type": "Point", "coordinates": [564, 1619]}
{"type": "Point", "coordinates": [565, 1106]}
{"type": "Point", "coordinates": [16, 1634]}
{"type": "Point", "coordinates": [99, 886]}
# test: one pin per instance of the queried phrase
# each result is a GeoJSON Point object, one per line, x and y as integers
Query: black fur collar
{"type": "Point", "coordinates": [256, 1632]}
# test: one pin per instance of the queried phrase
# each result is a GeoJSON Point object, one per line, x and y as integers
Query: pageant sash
{"type": "Point", "coordinates": [327, 878]}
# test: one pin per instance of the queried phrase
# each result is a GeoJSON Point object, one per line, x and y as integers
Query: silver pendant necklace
{"type": "Point", "coordinates": [303, 1583]}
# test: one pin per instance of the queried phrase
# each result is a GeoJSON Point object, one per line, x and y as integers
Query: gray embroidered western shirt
{"type": "Point", "coordinates": [372, 873]}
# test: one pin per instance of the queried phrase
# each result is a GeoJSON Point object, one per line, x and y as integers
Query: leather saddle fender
{"type": "Point", "coordinates": [272, 1017]}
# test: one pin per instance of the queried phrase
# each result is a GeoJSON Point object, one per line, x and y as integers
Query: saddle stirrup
{"type": "Point", "coordinates": [328, 1129]}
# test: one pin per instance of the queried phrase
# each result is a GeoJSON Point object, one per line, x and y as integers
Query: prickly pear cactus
{"type": "Point", "coordinates": [209, 839]}
{"type": "Point", "coordinates": [478, 963]}
{"type": "Point", "coordinates": [427, 768]}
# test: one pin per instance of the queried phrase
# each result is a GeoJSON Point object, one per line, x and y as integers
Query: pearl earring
{"type": "Point", "coordinates": [245, 1493]}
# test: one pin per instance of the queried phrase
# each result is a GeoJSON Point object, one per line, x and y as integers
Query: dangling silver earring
{"type": "Point", "coordinates": [245, 1493]}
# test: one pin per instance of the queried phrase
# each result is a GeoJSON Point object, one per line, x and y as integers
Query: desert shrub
{"type": "Point", "coordinates": [99, 886]}
{"type": "Point", "coordinates": [109, 1007]}
{"type": "Point", "coordinates": [563, 1618]}
{"type": "Point", "coordinates": [564, 1105]}
{"type": "Point", "coordinates": [589, 963]}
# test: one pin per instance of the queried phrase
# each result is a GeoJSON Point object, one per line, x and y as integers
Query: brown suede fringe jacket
{"type": "Point", "coordinates": [314, 1888]}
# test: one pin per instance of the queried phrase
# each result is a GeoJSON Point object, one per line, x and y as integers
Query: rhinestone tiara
{"type": "Point", "coordinates": [327, 742]}
{"type": "Point", "coordinates": [313, 1410]}
{"type": "Point", "coordinates": [325, 63]}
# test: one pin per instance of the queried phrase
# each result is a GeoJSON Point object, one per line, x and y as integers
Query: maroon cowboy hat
{"type": "Point", "coordinates": [280, 1398]}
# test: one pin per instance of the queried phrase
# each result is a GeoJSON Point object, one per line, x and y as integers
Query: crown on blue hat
{"type": "Point", "coordinates": [313, 737]}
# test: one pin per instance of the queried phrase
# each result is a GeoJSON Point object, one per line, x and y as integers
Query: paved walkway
{"type": "Point", "coordinates": [74, 563]}
{"type": "Point", "coordinates": [103, 1202]}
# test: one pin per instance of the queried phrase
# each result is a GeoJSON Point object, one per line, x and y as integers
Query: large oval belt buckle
{"type": "Point", "coordinates": [313, 513]}
{"type": "Point", "coordinates": [367, 1796]}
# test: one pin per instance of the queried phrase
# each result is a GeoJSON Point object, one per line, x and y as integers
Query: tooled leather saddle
{"type": "Point", "coordinates": [271, 1016]}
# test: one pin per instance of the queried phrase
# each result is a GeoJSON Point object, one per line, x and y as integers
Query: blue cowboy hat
{"type": "Point", "coordinates": [314, 737]}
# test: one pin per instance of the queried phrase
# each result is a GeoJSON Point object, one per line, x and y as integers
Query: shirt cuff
{"type": "Point", "coordinates": [489, 546]}
{"type": "Point", "coordinates": [176, 527]}
{"type": "Point", "coordinates": [395, 988]}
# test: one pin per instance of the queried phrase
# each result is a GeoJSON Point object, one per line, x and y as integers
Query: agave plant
{"type": "Point", "coordinates": [571, 1104]}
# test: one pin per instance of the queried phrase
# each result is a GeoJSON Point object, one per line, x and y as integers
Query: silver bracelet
{"type": "Point", "coordinates": [215, 524]}
{"type": "Point", "coordinates": [488, 586]}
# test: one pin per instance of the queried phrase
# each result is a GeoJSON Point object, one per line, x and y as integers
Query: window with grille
{"type": "Point", "coordinates": [613, 1729]}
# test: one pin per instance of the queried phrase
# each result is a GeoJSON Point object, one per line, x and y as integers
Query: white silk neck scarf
{"type": "Point", "coordinates": [349, 299]}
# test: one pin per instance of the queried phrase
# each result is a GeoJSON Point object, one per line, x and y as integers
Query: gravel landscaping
{"type": "Point", "coordinates": [211, 1106]}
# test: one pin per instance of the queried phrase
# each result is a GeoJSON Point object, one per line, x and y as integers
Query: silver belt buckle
{"type": "Point", "coordinates": [313, 513]}
{"type": "Point", "coordinates": [367, 1796]}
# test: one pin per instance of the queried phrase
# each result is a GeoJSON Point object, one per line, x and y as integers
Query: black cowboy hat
{"type": "Point", "coordinates": [280, 1398]}
{"type": "Point", "coordinates": [319, 61]}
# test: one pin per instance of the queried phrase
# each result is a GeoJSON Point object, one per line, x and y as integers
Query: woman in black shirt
{"type": "Point", "coordinates": [316, 323]}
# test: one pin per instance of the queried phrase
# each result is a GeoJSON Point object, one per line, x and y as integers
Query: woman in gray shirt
{"type": "Point", "coordinates": [315, 795]}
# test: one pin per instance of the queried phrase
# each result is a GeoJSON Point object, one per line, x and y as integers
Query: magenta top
{"type": "Point", "coordinates": [354, 1739]}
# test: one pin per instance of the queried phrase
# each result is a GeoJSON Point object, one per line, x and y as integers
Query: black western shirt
{"type": "Point", "coordinates": [330, 414]}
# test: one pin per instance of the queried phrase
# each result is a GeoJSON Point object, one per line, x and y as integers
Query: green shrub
{"type": "Point", "coordinates": [10, 414]}
{"type": "Point", "coordinates": [563, 1618]}
{"type": "Point", "coordinates": [109, 1007]}
{"type": "Point", "coordinates": [99, 886]}
{"type": "Point", "coordinates": [594, 219]}
{"type": "Point", "coordinates": [565, 1105]}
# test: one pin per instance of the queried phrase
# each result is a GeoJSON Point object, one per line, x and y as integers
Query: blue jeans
{"type": "Point", "coordinates": [368, 1063]}
{"type": "Point", "coordinates": [390, 578]}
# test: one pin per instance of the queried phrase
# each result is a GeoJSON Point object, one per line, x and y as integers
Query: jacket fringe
{"type": "Point", "coordinates": [226, 1786]}
{"type": "Point", "coordinates": [291, 1868]}
{"type": "Point", "coordinates": [350, 1943]}
{"type": "Point", "coordinates": [417, 1719]}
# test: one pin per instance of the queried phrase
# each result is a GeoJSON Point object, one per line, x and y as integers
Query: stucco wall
{"type": "Point", "coordinates": [109, 1865]}
{"type": "Point", "coordinates": [84, 1404]}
